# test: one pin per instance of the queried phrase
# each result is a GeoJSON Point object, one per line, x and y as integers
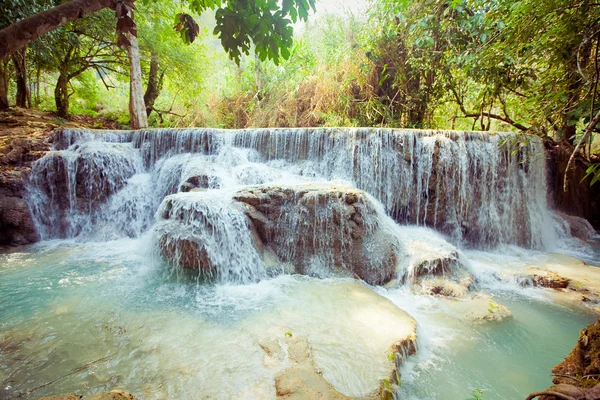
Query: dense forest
{"type": "Point", "coordinates": [435, 237]}
{"type": "Point", "coordinates": [527, 65]}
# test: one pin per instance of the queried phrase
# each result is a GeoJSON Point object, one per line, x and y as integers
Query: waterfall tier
{"type": "Point", "coordinates": [477, 190]}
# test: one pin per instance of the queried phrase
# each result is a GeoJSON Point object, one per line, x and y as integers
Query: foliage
{"type": "Point", "coordinates": [527, 65]}
{"type": "Point", "coordinates": [477, 394]}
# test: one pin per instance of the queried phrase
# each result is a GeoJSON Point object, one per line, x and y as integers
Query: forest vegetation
{"type": "Point", "coordinates": [525, 66]}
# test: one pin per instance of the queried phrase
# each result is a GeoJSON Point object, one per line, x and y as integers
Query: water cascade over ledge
{"type": "Point", "coordinates": [251, 263]}
{"type": "Point", "coordinates": [479, 189]}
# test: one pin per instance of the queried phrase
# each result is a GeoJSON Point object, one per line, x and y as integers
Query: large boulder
{"type": "Point", "coordinates": [16, 222]}
{"type": "Point", "coordinates": [318, 229]}
{"type": "Point", "coordinates": [323, 229]}
{"type": "Point", "coordinates": [69, 186]}
{"type": "Point", "coordinates": [208, 233]}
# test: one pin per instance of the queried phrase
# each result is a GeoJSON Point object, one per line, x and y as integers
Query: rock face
{"type": "Point", "coordinates": [576, 376]}
{"type": "Point", "coordinates": [207, 232]}
{"type": "Point", "coordinates": [16, 223]}
{"type": "Point", "coordinates": [582, 200]}
{"type": "Point", "coordinates": [19, 148]}
{"type": "Point", "coordinates": [323, 226]}
{"type": "Point", "coordinates": [71, 185]}
{"type": "Point", "coordinates": [583, 360]}
{"type": "Point", "coordinates": [319, 229]}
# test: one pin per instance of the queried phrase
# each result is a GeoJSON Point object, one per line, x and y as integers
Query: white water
{"type": "Point", "coordinates": [105, 191]}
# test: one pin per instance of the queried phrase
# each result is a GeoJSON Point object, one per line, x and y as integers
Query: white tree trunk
{"type": "Point", "coordinates": [137, 108]}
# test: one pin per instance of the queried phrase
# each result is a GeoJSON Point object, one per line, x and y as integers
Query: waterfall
{"type": "Point", "coordinates": [478, 189]}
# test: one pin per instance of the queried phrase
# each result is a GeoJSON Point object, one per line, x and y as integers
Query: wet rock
{"type": "Point", "coordinates": [323, 229]}
{"type": "Point", "coordinates": [304, 380]}
{"type": "Point", "coordinates": [207, 232]}
{"type": "Point", "coordinates": [16, 223]}
{"type": "Point", "coordinates": [433, 265]}
{"type": "Point", "coordinates": [112, 395]}
{"type": "Point", "coordinates": [548, 279]}
{"type": "Point", "coordinates": [446, 287]}
{"type": "Point", "coordinates": [201, 181]}
{"type": "Point", "coordinates": [78, 181]}
{"type": "Point", "coordinates": [578, 227]}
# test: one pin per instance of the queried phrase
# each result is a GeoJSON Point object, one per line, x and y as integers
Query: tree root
{"type": "Point", "coordinates": [550, 393]}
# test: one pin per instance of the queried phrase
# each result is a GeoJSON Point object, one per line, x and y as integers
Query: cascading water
{"type": "Point", "coordinates": [245, 210]}
{"type": "Point", "coordinates": [472, 187]}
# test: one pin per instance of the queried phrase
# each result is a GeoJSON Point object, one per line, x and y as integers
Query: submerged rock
{"type": "Point", "coordinates": [112, 395]}
{"type": "Point", "coordinates": [567, 275]}
{"type": "Point", "coordinates": [302, 380]}
{"type": "Point", "coordinates": [365, 328]}
{"type": "Point", "coordinates": [323, 229]}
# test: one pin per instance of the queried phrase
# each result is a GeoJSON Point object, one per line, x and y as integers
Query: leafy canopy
{"type": "Point", "coordinates": [266, 24]}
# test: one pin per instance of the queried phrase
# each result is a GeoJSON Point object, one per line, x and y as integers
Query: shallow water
{"type": "Point", "coordinates": [65, 305]}
{"type": "Point", "coordinates": [101, 310]}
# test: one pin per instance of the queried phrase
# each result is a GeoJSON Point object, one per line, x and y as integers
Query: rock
{"type": "Point", "coordinates": [206, 180]}
{"type": "Point", "coordinates": [433, 265]}
{"type": "Point", "coordinates": [583, 360]}
{"type": "Point", "coordinates": [303, 382]}
{"type": "Point", "coordinates": [578, 227]}
{"type": "Point", "coordinates": [16, 222]}
{"type": "Point", "coordinates": [576, 376]}
{"type": "Point", "coordinates": [303, 379]}
{"type": "Point", "coordinates": [79, 181]}
{"type": "Point", "coordinates": [569, 277]}
{"type": "Point", "coordinates": [207, 232]}
{"type": "Point", "coordinates": [323, 229]}
{"type": "Point", "coordinates": [445, 287]}
{"type": "Point", "coordinates": [479, 308]}
{"type": "Point", "coordinates": [548, 279]}
{"type": "Point", "coordinates": [112, 395]}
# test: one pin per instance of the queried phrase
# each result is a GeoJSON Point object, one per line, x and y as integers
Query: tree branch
{"type": "Point", "coordinates": [19, 34]}
{"type": "Point", "coordinates": [586, 135]}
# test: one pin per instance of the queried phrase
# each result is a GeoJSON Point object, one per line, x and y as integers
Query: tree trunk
{"type": "Point", "coordinates": [18, 35]}
{"type": "Point", "coordinates": [137, 108]}
{"type": "Point", "coordinates": [4, 85]}
{"type": "Point", "coordinates": [20, 62]}
{"type": "Point", "coordinates": [154, 84]}
{"type": "Point", "coordinates": [37, 86]}
{"type": "Point", "coordinates": [61, 95]}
